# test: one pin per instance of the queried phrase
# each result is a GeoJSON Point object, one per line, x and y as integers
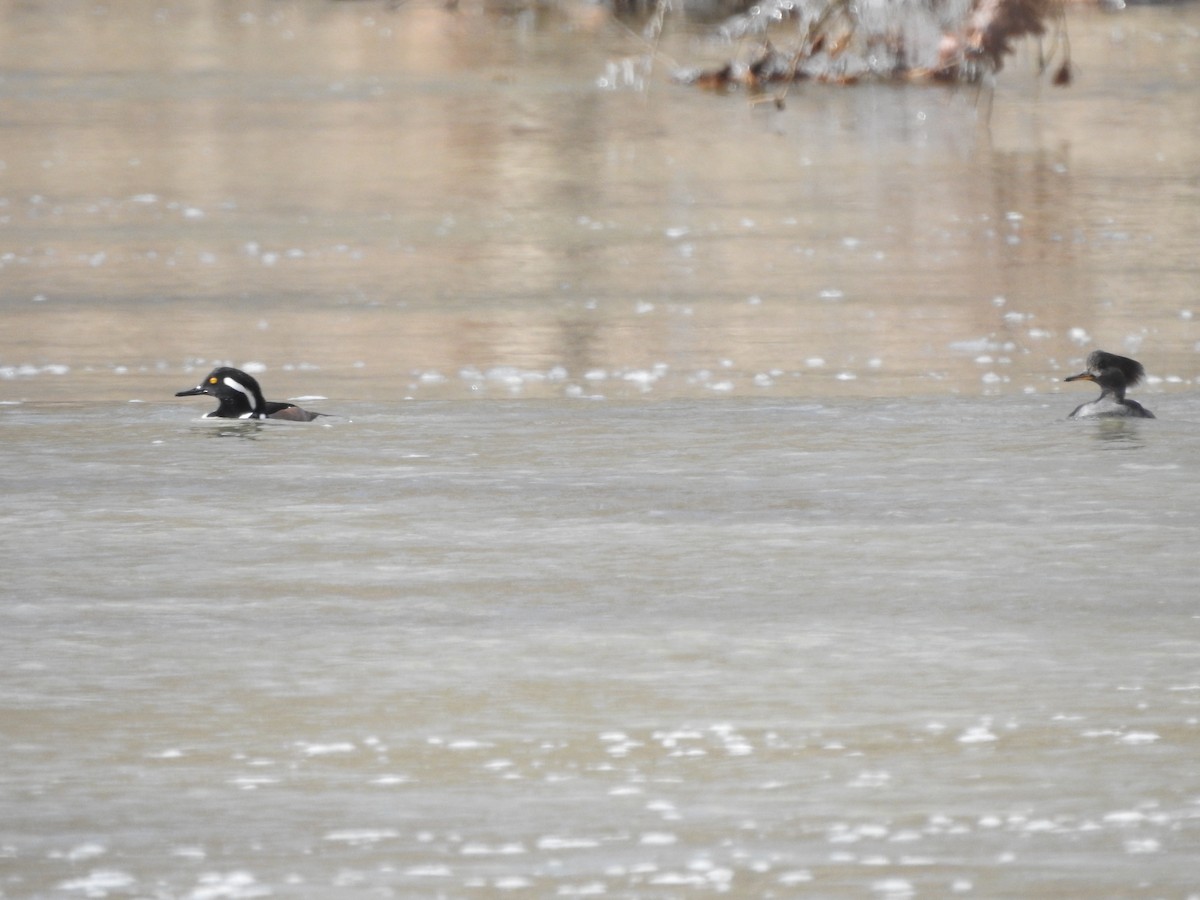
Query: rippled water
{"type": "Point", "coordinates": [590, 648]}
{"type": "Point", "coordinates": [687, 523]}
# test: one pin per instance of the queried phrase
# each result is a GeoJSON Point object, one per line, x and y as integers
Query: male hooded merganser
{"type": "Point", "coordinates": [1113, 373]}
{"type": "Point", "coordinates": [241, 398]}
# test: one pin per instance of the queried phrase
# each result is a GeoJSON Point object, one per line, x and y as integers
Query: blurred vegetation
{"type": "Point", "coordinates": [846, 41]}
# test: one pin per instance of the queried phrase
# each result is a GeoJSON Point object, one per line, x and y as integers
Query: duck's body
{"type": "Point", "coordinates": [1114, 374]}
{"type": "Point", "coordinates": [239, 397]}
{"type": "Point", "coordinates": [1111, 407]}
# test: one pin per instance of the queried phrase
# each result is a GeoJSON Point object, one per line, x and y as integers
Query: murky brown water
{"type": "Point", "coordinates": [700, 515]}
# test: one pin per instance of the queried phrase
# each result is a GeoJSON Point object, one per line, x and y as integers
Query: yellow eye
{"type": "Point", "coordinates": [212, 381]}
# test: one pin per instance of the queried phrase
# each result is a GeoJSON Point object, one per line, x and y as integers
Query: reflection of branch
{"type": "Point", "coordinates": [814, 42]}
{"type": "Point", "coordinates": [651, 34]}
{"type": "Point", "coordinates": [816, 28]}
{"type": "Point", "coordinates": [975, 47]}
{"type": "Point", "coordinates": [995, 24]}
{"type": "Point", "coordinates": [1062, 41]}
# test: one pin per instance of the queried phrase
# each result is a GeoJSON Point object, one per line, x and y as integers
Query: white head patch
{"type": "Point", "coordinates": [242, 389]}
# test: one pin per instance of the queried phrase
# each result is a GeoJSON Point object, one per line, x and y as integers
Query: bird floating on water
{"type": "Point", "coordinates": [240, 397]}
{"type": "Point", "coordinates": [1114, 374]}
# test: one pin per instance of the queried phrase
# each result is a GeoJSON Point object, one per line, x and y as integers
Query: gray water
{"type": "Point", "coordinates": [684, 524]}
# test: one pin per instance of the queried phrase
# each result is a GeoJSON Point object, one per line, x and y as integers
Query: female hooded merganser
{"type": "Point", "coordinates": [1113, 373]}
{"type": "Point", "coordinates": [241, 398]}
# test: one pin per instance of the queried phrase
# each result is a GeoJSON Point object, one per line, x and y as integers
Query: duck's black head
{"type": "Point", "coordinates": [1113, 373]}
{"type": "Point", "coordinates": [239, 395]}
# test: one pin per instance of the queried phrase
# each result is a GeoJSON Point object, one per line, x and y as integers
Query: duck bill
{"type": "Point", "coordinates": [1082, 376]}
{"type": "Point", "coordinates": [191, 392]}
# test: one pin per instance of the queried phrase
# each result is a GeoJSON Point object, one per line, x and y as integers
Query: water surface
{"type": "Point", "coordinates": [699, 513]}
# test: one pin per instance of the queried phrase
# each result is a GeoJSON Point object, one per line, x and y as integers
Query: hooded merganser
{"type": "Point", "coordinates": [241, 398]}
{"type": "Point", "coordinates": [1113, 373]}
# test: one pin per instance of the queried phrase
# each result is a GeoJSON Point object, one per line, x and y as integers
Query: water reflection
{"type": "Point", "coordinates": [393, 192]}
{"type": "Point", "coordinates": [1119, 434]}
{"type": "Point", "coordinates": [248, 430]}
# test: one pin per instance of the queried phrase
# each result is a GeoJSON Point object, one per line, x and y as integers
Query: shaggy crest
{"type": "Point", "coordinates": [1130, 369]}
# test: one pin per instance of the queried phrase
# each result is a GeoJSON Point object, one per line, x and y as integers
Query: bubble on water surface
{"type": "Point", "coordinates": [429, 871]}
{"type": "Point", "coordinates": [658, 839]}
{"type": "Point", "coordinates": [977, 734]}
{"type": "Point", "coordinates": [513, 848]}
{"type": "Point", "coordinates": [554, 842]}
{"type": "Point", "coordinates": [237, 885]}
{"type": "Point", "coordinates": [1139, 737]}
{"type": "Point", "coordinates": [85, 851]}
{"type": "Point", "coordinates": [360, 836]}
{"type": "Point", "coordinates": [794, 877]}
{"type": "Point", "coordinates": [309, 749]}
{"type": "Point", "coordinates": [894, 888]}
{"type": "Point", "coordinates": [99, 883]}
